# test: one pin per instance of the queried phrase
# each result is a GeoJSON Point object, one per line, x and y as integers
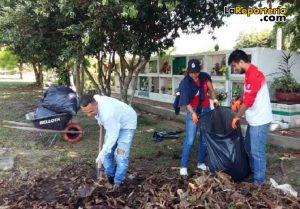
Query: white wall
{"type": "Point", "coordinates": [269, 60]}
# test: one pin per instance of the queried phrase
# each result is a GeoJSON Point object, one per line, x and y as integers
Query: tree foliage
{"type": "Point", "coordinates": [8, 60]}
{"type": "Point", "coordinates": [59, 32]}
{"type": "Point", "coordinates": [291, 28]}
{"type": "Point", "coordinates": [256, 39]}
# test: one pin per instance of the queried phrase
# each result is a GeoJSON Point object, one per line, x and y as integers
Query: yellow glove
{"type": "Point", "coordinates": [234, 121]}
{"type": "Point", "coordinates": [195, 118]}
{"type": "Point", "coordinates": [236, 105]}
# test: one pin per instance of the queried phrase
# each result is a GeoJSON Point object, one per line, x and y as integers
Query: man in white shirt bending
{"type": "Point", "coordinates": [119, 121]}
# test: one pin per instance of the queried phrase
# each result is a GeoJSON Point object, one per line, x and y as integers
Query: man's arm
{"type": "Point", "coordinates": [112, 129]}
{"type": "Point", "coordinates": [243, 108]}
{"type": "Point", "coordinates": [253, 85]}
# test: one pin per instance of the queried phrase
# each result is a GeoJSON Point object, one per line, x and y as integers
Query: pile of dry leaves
{"type": "Point", "coordinates": [73, 187]}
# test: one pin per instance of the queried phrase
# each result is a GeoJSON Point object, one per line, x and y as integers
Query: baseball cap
{"type": "Point", "coordinates": [193, 66]}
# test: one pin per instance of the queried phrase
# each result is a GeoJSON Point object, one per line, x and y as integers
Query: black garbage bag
{"type": "Point", "coordinates": [159, 136]}
{"type": "Point", "coordinates": [60, 99]}
{"type": "Point", "coordinates": [42, 112]}
{"type": "Point", "coordinates": [225, 146]}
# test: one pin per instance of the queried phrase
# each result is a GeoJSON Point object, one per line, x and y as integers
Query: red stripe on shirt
{"type": "Point", "coordinates": [254, 80]}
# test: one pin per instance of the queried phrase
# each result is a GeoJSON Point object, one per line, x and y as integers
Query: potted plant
{"type": "Point", "coordinates": [287, 89]}
{"type": "Point", "coordinates": [221, 95]}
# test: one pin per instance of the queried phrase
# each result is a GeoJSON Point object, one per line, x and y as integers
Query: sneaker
{"type": "Point", "coordinates": [111, 179]}
{"type": "Point", "coordinates": [183, 172]}
{"type": "Point", "coordinates": [249, 179]}
{"type": "Point", "coordinates": [117, 188]}
{"type": "Point", "coordinates": [202, 166]}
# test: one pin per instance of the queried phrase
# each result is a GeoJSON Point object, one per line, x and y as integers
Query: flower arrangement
{"type": "Point", "coordinates": [166, 68]}
{"type": "Point", "coordinates": [182, 71]}
{"type": "Point", "coordinates": [219, 70]}
{"type": "Point", "coordinates": [215, 69]}
{"type": "Point", "coordinates": [223, 69]}
{"type": "Point", "coordinates": [221, 95]}
{"type": "Point", "coordinates": [237, 91]}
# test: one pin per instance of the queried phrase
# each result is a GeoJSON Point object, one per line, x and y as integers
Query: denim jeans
{"type": "Point", "coordinates": [116, 164]}
{"type": "Point", "coordinates": [255, 141]}
{"type": "Point", "coordinates": [191, 130]}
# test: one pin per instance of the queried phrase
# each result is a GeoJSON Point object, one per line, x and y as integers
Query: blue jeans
{"type": "Point", "coordinates": [191, 130]}
{"type": "Point", "coordinates": [116, 162]}
{"type": "Point", "coordinates": [255, 144]}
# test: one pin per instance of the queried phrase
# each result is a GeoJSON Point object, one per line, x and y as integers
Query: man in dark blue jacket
{"type": "Point", "coordinates": [193, 94]}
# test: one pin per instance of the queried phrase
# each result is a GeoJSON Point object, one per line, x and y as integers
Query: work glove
{"type": "Point", "coordinates": [195, 118]}
{"type": "Point", "coordinates": [236, 105]}
{"type": "Point", "coordinates": [100, 157]}
{"type": "Point", "coordinates": [234, 122]}
{"type": "Point", "coordinates": [216, 103]}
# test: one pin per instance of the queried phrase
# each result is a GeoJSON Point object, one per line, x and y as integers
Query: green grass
{"type": "Point", "coordinates": [14, 85]}
{"type": "Point", "coordinates": [296, 180]}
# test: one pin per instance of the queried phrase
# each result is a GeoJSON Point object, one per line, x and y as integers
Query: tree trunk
{"type": "Point", "coordinates": [105, 71]}
{"type": "Point", "coordinates": [126, 77]}
{"type": "Point", "coordinates": [137, 70]}
{"type": "Point", "coordinates": [38, 73]}
{"type": "Point", "coordinates": [135, 79]}
{"type": "Point", "coordinates": [123, 80]}
{"type": "Point", "coordinates": [72, 79]}
{"type": "Point", "coordinates": [35, 73]}
{"type": "Point", "coordinates": [82, 79]}
{"type": "Point", "coordinates": [92, 79]}
{"type": "Point", "coordinates": [124, 95]}
{"type": "Point", "coordinates": [77, 77]}
{"type": "Point", "coordinates": [21, 70]}
{"type": "Point", "coordinates": [41, 76]}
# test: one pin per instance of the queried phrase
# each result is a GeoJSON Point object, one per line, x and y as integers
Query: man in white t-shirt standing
{"type": "Point", "coordinates": [119, 121]}
{"type": "Point", "coordinates": [257, 107]}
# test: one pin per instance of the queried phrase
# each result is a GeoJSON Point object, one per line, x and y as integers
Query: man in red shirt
{"type": "Point", "coordinates": [257, 108]}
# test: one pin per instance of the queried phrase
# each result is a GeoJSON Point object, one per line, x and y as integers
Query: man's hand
{"type": "Point", "coordinates": [236, 105]}
{"type": "Point", "coordinates": [195, 118]}
{"type": "Point", "coordinates": [216, 103]}
{"type": "Point", "coordinates": [234, 121]}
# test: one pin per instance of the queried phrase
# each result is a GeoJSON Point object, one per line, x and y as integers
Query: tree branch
{"type": "Point", "coordinates": [136, 74]}
{"type": "Point", "coordinates": [92, 79]}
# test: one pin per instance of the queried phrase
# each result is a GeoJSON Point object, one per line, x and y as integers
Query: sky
{"type": "Point", "coordinates": [226, 35]}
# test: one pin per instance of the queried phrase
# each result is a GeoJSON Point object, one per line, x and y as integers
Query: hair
{"type": "Point", "coordinates": [86, 99]}
{"type": "Point", "coordinates": [237, 55]}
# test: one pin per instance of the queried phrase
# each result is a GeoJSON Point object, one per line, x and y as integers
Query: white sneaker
{"type": "Point", "coordinates": [202, 166]}
{"type": "Point", "coordinates": [183, 172]}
